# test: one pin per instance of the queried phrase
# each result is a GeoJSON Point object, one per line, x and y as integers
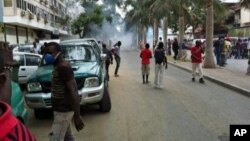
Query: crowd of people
{"type": "Point", "coordinates": [160, 52]}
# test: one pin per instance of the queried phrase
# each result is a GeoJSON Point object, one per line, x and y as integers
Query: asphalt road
{"type": "Point", "coordinates": [181, 111]}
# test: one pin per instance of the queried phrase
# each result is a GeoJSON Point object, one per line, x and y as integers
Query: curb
{"type": "Point", "coordinates": [235, 88]}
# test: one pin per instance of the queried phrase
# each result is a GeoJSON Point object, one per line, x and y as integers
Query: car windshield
{"type": "Point", "coordinates": [78, 53]}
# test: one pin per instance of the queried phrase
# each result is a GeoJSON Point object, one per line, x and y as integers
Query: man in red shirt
{"type": "Point", "coordinates": [145, 55]}
{"type": "Point", "coordinates": [196, 57]}
{"type": "Point", "coordinates": [10, 128]}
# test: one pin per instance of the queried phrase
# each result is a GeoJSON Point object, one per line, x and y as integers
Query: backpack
{"type": "Point", "coordinates": [159, 56]}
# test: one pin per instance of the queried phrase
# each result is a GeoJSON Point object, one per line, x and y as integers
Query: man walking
{"type": "Point", "coordinates": [145, 55]}
{"type": "Point", "coordinates": [160, 64]}
{"type": "Point", "coordinates": [169, 47]}
{"type": "Point", "coordinates": [64, 95]}
{"type": "Point", "coordinates": [116, 52]}
{"type": "Point", "coordinates": [109, 59]}
{"type": "Point", "coordinates": [175, 48]}
{"type": "Point", "coordinates": [224, 52]}
{"type": "Point", "coordinates": [196, 58]}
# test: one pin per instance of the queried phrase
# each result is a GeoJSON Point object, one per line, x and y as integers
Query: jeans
{"type": "Point", "coordinates": [223, 59]}
{"type": "Point", "coordinates": [107, 63]}
{"type": "Point", "coordinates": [159, 74]}
{"type": "Point", "coordinates": [237, 54]}
{"type": "Point", "coordinates": [197, 66]}
{"type": "Point", "coordinates": [118, 61]}
{"type": "Point", "coordinates": [61, 129]}
{"type": "Point", "coordinates": [218, 57]}
{"type": "Point", "coordinates": [175, 54]}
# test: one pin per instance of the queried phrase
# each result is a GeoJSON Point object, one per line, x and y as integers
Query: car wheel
{"type": "Point", "coordinates": [105, 104]}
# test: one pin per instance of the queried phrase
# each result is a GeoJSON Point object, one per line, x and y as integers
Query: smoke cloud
{"type": "Point", "coordinates": [115, 33]}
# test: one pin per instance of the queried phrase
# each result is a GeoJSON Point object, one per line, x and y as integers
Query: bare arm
{"type": "Point", "coordinates": [74, 97]}
{"type": "Point", "coordinates": [5, 86]}
{"type": "Point", "coordinates": [6, 58]}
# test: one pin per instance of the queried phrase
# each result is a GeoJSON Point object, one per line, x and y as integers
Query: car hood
{"type": "Point", "coordinates": [86, 69]}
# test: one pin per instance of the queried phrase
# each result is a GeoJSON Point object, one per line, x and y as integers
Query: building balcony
{"type": "Point", "coordinates": [27, 19]}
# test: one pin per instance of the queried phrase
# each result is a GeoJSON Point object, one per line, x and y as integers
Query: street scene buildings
{"type": "Point", "coordinates": [25, 20]}
{"type": "Point", "coordinates": [125, 70]}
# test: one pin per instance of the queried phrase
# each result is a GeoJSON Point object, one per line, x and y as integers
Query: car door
{"type": "Point", "coordinates": [32, 63]}
{"type": "Point", "coordinates": [20, 60]}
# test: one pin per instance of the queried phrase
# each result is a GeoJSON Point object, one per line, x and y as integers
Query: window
{"type": "Point", "coordinates": [19, 3]}
{"type": "Point", "coordinates": [32, 60]}
{"type": "Point", "coordinates": [18, 59]}
{"type": "Point", "coordinates": [7, 3]}
{"type": "Point", "coordinates": [24, 7]}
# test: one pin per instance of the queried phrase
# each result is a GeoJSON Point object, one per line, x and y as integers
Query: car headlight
{"type": "Point", "coordinates": [34, 87]}
{"type": "Point", "coordinates": [91, 82]}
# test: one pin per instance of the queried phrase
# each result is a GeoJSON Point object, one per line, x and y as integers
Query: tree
{"type": "Point", "coordinates": [209, 61]}
{"type": "Point", "coordinates": [139, 16]}
{"type": "Point", "coordinates": [245, 3]}
{"type": "Point", "coordinates": [82, 25]}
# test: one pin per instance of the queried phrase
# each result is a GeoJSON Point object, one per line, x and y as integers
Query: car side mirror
{"type": "Point", "coordinates": [103, 57]}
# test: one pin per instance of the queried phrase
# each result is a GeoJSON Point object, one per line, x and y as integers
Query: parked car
{"type": "Point", "coordinates": [28, 64]}
{"type": "Point", "coordinates": [17, 103]}
{"type": "Point", "coordinates": [89, 73]}
{"type": "Point", "coordinates": [26, 47]}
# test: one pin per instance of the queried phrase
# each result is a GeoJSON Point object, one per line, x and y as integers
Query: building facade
{"type": "Point", "coordinates": [242, 21]}
{"type": "Point", "coordinates": [23, 21]}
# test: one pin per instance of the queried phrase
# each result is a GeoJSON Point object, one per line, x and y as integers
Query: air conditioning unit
{"type": "Point", "coordinates": [31, 16]}
{"type": "Point", "coordinates": [38, 18]}
{"type": "Point", "coordinates": [23, 13]}
{"type": "Point", "coordinates": [45, 21]}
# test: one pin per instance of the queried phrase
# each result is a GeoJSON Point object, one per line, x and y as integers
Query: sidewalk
{"type": "Point", "coordinates": [232, 76]}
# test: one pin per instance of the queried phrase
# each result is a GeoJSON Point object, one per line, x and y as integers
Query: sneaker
{"type": "Point", "coordinates": [193, 79]}
{"type": "Point", "coordinates": [201, 80]}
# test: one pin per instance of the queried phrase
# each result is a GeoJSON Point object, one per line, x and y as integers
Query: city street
{"type": "Point", "coordinates": [181, 111]}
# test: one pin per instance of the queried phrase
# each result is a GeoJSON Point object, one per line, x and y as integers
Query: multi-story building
{"type": "Point", "coordinates": [22, 21]}
{"type": "Point", "coordinates": [242, 21]}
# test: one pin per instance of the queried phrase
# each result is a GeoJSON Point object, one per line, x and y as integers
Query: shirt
{"type": "Point", "coordinates": [10, 128]}
{"type": "Point", "coordinates": [109, 55]}
{"type": "Point", "coordinates": [196, 54]}
{"type": "Point", "coordinates": [116, 50]}
{"type": "Point", "coordinates": [145, 55]}
{"type": "Point", "coordinates": [59, 95]}
{"type": "Point", "coordinates": [248, 45]}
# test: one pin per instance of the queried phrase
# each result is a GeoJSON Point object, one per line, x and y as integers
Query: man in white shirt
{"type": "Point", "coordinates": [116, 52]}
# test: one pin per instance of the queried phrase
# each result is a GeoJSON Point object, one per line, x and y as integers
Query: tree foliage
{"type": "Point", "coordinates": [82, 25]}
{"type": "Point", "coordinates": [245, 3]}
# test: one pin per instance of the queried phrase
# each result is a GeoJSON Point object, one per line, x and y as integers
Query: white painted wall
{"type": "Point", "coordinates": [245, 16]}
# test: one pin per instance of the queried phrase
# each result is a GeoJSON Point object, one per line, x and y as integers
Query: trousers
{"type": "Point", "coordinates": [61, 127]}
